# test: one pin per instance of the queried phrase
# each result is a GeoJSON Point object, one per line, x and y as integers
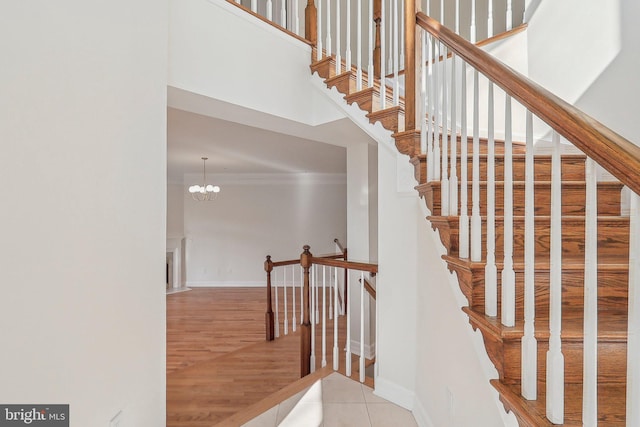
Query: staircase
{"type": "Point", "coordinates": [504, 343]}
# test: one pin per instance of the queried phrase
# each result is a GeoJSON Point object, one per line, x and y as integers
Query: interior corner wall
{"type": "Point", "coordinates": [83, 184]}
{"type": "Point", "coordinates": [229, 238]}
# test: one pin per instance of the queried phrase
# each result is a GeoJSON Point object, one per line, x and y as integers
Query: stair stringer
{"type": "Point", "coordinates": [404, 184]}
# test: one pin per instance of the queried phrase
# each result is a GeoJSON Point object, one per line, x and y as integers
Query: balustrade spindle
{"type": "Point", "coordinates": [269, 10]}
{"type": "Point", "coordinates": [293, 298]}
{"type": "Point", "coordinates": [508, 278]}
{"type": "Point", "coordinates": [555, 358]}
{"type": "Point", "coordinates": [301, 294]}
{"type": "Point", "coordinates": [359, 45]}
{"type": "Point", "coordinates": [338, 41]}
{"type": "Point", "coordinates": [330, 299]}
{"type": "Point", "coordinates": [296, 17]}
{"type": "Point", "coordinates": [361, 366]}
{"type": "Point", "coordinates": [529, 342]}
{"type": "Point", "coordinates": [444, 181]}
{"type": "Point", "coordinates": [336, 350]}
{"type": "Point", "coordinates": [509, 16]}
{"type": "Point", "coordinates": [254, 6]}
{"type": "Point", "coordinates": [490, 19]}
{"type": "Point", "coordinates": [490, 270]}
{"type": "Point", "coordinates": [472, 29]}
{"type": "Point", "coordinates": [458, 17]}
{"type": "Point", "coordinates": [383, 49]}
{"type": "Point", "coordinates": [328, 42]}
{"type": "Point", "coordinates": [319, 32]}
{"type": "Point", "coordinates": [633, 328]}
{"type": "Point", "coordinates": [347, 349]}
{"type": "Point", "coordinates": [442, 12]}
{"type": "Point", "coordinates": [429, 108]}
{"type": "Point", "coordinates": [436, 114]}
{"type": "Point", "coordinates": [316, 300]}
{"type": "Point", "coordinates": [453, 176]}
{"type": "Point", "coordinates": [314, 317]}
{"type": "Point", "coordinates": [463, 224]}
{"type": "Point", "coordinates": [401, 32]}
{"type": "Point", "coordinates": [396, 54]}
{"type": "Point", "coordinates": [476, 221]}
{"type": "Point", "coordinates": [423, 92]}
{"type": "Point", "coordinates": [286, 311]}
{"type": "Point", "coordinates": [370, 73]}
{"type": "Point", "coordinates": [590, 365]}
{"type": "Point", "coordinates": [283, 14]}
{"type": "Point", "coordinates": [277, 320]}
{"type": "Point", "coordinates": [348, 62]}
{"type": "Point", "coordinates": [324, 318]}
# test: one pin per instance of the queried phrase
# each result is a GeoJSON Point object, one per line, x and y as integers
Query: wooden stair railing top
{"type": "Point", "coordinates": [616, 154]}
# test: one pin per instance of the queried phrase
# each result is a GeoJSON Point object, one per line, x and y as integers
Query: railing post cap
{"type": "Point", "coordinates": [305, 260]}
{"type": "Point", "coordinates": [268, 264]}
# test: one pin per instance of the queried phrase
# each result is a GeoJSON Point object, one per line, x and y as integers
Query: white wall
{"type": "Point", "coordinates": [255, 216]}
{"type": "Point", "coordinates": [82, 178]}
{"type": "Point", "coordinates": [175, 210]}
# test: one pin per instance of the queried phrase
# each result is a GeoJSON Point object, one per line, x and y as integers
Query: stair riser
{"type": "Point", "coordinates": [572, 169]}
{"type": "Point", "coordinates": [345, 83]}
{"type": "Point", "coordinates": [369, 99]}
{"type": "Point", "coordinates": [613, 236]}
{"type": "Point", "coordinates": [391, 119]}
{"type": "Point", "coordinates": [612, 290]}
{"type": "Point", "coordinates": [573, 195]}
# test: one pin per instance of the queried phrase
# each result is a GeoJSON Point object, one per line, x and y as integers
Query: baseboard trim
{"type": "Point", "coordinates": [369, 349]}
{"type": "Point", "coordinates": [224, 284]}
{"type": "Point", "coordinates": [394, 393]}
{"type": "Point", "coordinates": [421, 415]}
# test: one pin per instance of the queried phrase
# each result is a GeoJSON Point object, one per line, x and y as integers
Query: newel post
{"type": "Point", "coordinates": [305, 333]}
{"type": "Point", "coordinates": [268, 267]}
{"type": "Point", "coordinates": [410, 9]}
{"type": "Point", "coordinates": [311, 22]}
{"type": "Point", "coordinates": [377, 19]}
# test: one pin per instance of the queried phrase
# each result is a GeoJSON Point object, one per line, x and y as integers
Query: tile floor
{"type": "Point", "coordinates": [335, 401]}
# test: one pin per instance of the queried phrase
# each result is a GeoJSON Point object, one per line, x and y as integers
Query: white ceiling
{"type": "Point", "coordinates": [236, 148]}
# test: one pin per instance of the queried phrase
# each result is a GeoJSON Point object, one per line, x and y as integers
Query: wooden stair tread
{"type": "Point", "coordinates": [612, 327]}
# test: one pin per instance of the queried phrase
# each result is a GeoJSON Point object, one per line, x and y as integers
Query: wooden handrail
{"type": "Point", "coordinates": [297, 261]}
{"type": "Point", "coordinates": [337, 242]}
{"type": "Point", "coordinates": [616, 154]}
{"type": "Point", "coordinates": [370, 289]}
{"type": "Point", "coordinates": [360, 266]}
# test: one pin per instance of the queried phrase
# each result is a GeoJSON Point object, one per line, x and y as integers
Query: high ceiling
{"type": "Point", "coordinates": [236, 148]}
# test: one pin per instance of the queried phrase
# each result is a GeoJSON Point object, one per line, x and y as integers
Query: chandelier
{"type": "Point", "coordinates": [204, 192]}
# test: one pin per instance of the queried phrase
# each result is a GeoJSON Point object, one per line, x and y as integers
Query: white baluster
{"type": "Point", "coordinates": [429, 108]}
{"type": "Point", "coordinates": [436, 114]}
{"type": "Point", "coordinates": [328, 42]}
{"type": "Point", "coordinates": [472, 30]}
{"type": "Point", "coordinates": [390, 36]}
{"type": "Point", "coordinates": [396, 54]}
{"type": "Point", "coordinates": [293, 298]}
{"type": "Point", "coordinates": [428, 12]}
{"type": "Point", "coordinates": [529, 342]}
{"type": "Point", "coordinates": [336, 350]}
{"type": "Point", "coordinates": [324, 318]}
{"type": "Point", "coordinates": [296, 17]}
{"type": "Point", "coordinates": [490, 19]}
{"type": "Point", "coordinates": [313, 316]}
{"type": "Point", "coordinates": [347, 349]}
{"type": "Point", "coordinates": [361, 367]}
{"type": "Point", "coordinates": [383, 48]}
{"type": "Point", "coordinates": [444, 182]}
{"type": "Point", "coordinates": [401, 33]}
{"type": "Point", "coordinates": [555, 358]}
{"type": "Point", "coordinates": [277, 317]}
{"type": "Point", "coordinates": [283, 14]}
{"type": "Point", "coordinates": [442, 12]}
{"type": "Point", "coordinates": [286, 311]}
{"type": "Point", "coordinates": [457, 16]}
{"type": "Point", "coordinates": [463, 224]}
{"type": "Point", "coordinates": [348, 34]}
{"type": "Point", "coordinates": [330, 298]}
{"type": "Point", "coordinates": [476, 221]}
{"type": "Point", "coordinates": [237, 1]}
{"type": "Point", "coordinates": [490, 270]}
{"type": "Point", "coordinates": [423, 93]}
{"type": "Point", "coordinates": [338, 41]}
{"type": "Point", "coordinates": [269, 10]}
{"type": "Point", "coordinates": [370, 76]}
{"type": "Point", "coordinates": [453, 175]}
{"type": "Point", "coordinates": [317, 300]}
{"type": "Point", "coordinates": [254, 6]}
{"type": "Point", "coordinates": [319, 30]}
{"type": "Point", "coordinates": [508, 278]}
{"type": "Point", "coordinates": [633, 328]}
{"type": "Point", "coordinates": [359, 45]}
{"type": "Point", "coordinates": [301, 296]}
{"type": "Point", "coordinates": [509, 16]}
{"type": "Point", "coordinates": [590, 365]}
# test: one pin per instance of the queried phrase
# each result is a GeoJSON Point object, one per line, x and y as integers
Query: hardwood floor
{"type": "Point", "coordinates": [218, 362]}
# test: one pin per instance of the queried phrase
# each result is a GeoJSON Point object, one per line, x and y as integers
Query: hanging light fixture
{"type": "Point", "coordinates": [204, 192]}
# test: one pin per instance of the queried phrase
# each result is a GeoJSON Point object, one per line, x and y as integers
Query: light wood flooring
{"type": "Point", "coordinates": [218, 362]}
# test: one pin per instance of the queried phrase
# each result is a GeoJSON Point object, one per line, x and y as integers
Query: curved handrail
{"type": "Point", "coordinates": [616, 154]}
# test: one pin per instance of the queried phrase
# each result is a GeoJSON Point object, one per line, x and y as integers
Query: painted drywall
{"type": "Point", "coordinates": [258, 215]}
{"type": "Point", "coordinates": [83, 183]}
{"type": "Point", "coordinates": [264, 70]}
{"type": "Point", "coordinates": [175, 211]}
